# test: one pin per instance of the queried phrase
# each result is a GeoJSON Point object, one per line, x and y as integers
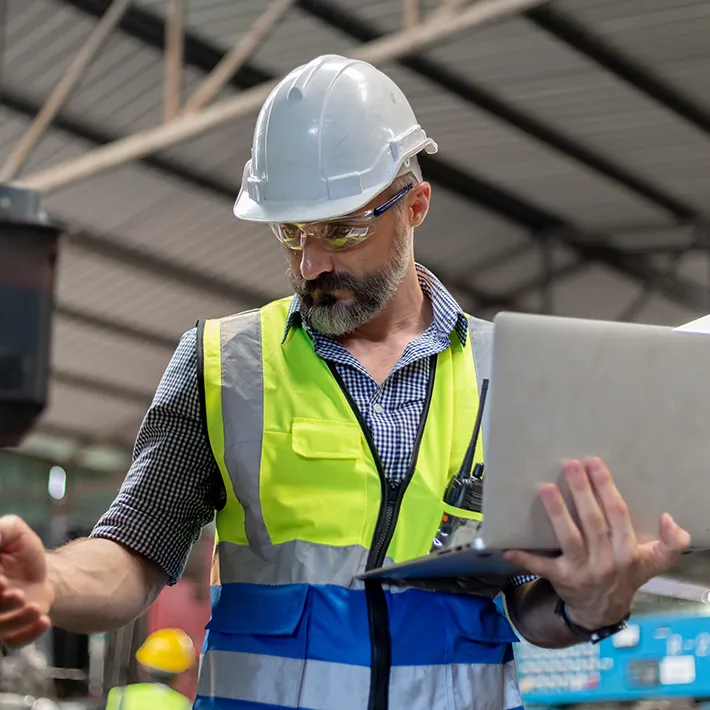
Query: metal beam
{"type": "Point", "coordinates": [131, 256]}
{"type": "Point", "coordinates": [411, 12]}
{"type": "Point", "coordinates": [583, 40]}
{"type": "Point", "coordinates": [101, 387]}
{"type": "Point", "coordinates": [511, 300]}
{"type": "Point", "coordinates": [449, 6]}
{"type": "Point", "coordinates": [187, 126]}
{"type": "Point", "coordinates": [172, 95]}
{"type": "Point", "coordinates": [63, 89]}
{"type": "Point", "coordinates": [98, 136]}
{"type": "Point", "coordinates": [638, 303]}
{"type": "Point", "coordinates": [149, 28]}
{"type": "Point", "coordinates": [141, 335]}
{"type": "Point", "coordinates": [492, 198]}
{"type": "Point", "coordinates": [684, 292]}
{"type": "Point", "coordinates": [345, 20]}
{"type": "Point", "coordinates": [140, 260]}
{"type": "Point", "coordinates": [541, 282]}
{"type": "Point", "coordinates": [237, 56]}
{"type": "Point", "coordinates": [185, 277]}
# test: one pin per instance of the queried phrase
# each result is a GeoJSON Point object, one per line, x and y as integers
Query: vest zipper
{"type": "Point", "coordinates": [390, 503]}
{"type": "Point", "coordinates": [393, 492]}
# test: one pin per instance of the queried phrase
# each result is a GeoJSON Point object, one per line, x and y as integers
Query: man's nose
{"type": "Point", "coordinates": [315, 258]}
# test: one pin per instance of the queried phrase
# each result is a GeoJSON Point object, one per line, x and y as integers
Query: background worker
{"type": "Point", "coordinates": [324, 429]}
{"type": "Point", "coordinates": [164, 655]}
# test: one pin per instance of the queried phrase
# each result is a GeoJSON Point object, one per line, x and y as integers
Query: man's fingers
{"type": "Point", "coordinates": [29, 633]}
{"type": "Point", "coordinates": [10, 601]}
{"type": "Point", "coordinates": [613, 505]}
{"type": "Point", "coordinates": [15, 621]}
{"type": "Point", "coordinates": [540, 566]}
{"type": "Point", "coordinates": [672, 535]}
{"type": "Point", "coordinates": [12, 528]}
{"type": "Point", "coordinates": [591, 518]}
{"type": "Point", "coordinates": [662, 555]}
{"type": "Point", "coordinates": [568, 535]}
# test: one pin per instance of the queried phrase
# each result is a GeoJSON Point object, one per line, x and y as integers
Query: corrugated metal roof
{"type": "Point", "coordinates": [163, 225]}
{"type": "Point", "coordinates": [122, 293]}
{"type": "Point", "coordinates": [221, 21]}
{"type": "Point", "coordinates": [108, 357]}
{"type": "Point", "coordinates": [669, 37]}
{"type": "Point", "coordinates": [456, 237]}
{"type": "Point", "coordinates": [122, 89]}
{"type": "Point", "coordinates": [543, 77]}
{"type": "Point", "coordinates": [93, 415]}
{"type": "Point", "coordinates": [468, 137]}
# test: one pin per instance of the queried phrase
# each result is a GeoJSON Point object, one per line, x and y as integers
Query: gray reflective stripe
{"type": "Point", "coordinates": [293, 562]}
{"type": "Point", "coordinates": [272, 680]}
{"type": "Point", "coordinates": [472, 687]}
{"type": "Point", "coordinates": [243, 414]}
{"type": "Point", "coordinates": [319, 685]}
{"type": "Point", "coordinates": [300, 562]}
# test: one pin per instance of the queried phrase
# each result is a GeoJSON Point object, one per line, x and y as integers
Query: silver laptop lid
{"type": "Point", "coordinates": [637, 396]}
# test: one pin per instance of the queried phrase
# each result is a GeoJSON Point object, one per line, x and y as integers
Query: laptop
{"type": "Point", "coordinates": [638, 396]}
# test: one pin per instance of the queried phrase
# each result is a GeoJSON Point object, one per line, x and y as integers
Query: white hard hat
{"type": "Point", "coordinates": [331, 136]}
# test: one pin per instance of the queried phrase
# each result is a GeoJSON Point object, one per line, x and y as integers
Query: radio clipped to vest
{"type": "Point", "coordinates": [464, 494]}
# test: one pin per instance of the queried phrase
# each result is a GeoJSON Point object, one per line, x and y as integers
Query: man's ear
{"type": "Point", "coordinates": [419, 204]}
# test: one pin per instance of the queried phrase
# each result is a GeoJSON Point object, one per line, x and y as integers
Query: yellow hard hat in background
{"type": "Point", "coordinates": [167, 651]}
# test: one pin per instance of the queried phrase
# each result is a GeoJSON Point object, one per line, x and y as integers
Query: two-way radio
{"type": "Point", "coordinates": [465, 489]}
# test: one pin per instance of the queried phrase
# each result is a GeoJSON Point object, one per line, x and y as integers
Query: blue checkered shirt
{"type": "Point", "coordinates": [173, 487]}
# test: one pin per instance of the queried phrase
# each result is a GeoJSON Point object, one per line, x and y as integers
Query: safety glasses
{"type": "Point", "coordinates": [338, 233]}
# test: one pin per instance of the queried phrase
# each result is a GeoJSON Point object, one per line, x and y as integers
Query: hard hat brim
{"type": "Point", "coordinates": [250, 210]}
{"type": "Point", "coordinates": [296, 212]}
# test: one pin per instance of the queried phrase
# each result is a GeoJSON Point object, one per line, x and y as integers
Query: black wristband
{"type": "Point", "coordinates": [594, 636]}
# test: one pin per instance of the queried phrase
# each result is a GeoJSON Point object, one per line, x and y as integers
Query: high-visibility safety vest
{"type": "Point", "coordinates": [146, 696]}
{"type": "Point", "coordinates": [308, 509]}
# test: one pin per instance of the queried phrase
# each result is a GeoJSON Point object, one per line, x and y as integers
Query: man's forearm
{"type": "Point", "coordinates": [100, 585]}
{"type": "Point", "coordinates": [532, 609]}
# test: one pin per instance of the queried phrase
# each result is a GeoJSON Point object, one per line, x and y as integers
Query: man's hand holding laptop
{"type": "Point", "coordinates": [603, 564]}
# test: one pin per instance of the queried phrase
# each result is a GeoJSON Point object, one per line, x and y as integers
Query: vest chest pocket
{"type": "Point", "coordinates": [316, 481]}
{"type": "Point", "coordinates": [314, 439]}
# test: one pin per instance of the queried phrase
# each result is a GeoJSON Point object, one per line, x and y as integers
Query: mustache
{"type": "Point", "coordinates": [328, 282]}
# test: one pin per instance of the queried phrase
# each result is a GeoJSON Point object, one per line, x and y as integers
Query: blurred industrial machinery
{"type": "Point", "coordinates": [658, 658]}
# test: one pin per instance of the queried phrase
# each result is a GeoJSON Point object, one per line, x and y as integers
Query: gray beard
{"type": "Point", "coordinates": [370, 293]}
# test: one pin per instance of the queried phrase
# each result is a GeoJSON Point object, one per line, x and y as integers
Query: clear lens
{"type": "Point", "coordinates": [340, 232]}
{"type": "Point", "coordinates": [337, 234]}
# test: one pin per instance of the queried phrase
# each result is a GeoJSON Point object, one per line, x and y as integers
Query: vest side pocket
{"type": "Point", "coordinates": [256, 644]}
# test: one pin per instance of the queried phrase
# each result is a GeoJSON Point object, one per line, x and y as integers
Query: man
{"type": "Point", "coordinates": [164, 656]}
{"type": "Point", "coordinates": [324, 430]}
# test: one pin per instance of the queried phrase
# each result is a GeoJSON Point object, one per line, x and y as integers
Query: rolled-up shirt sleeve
{"type": "Point", "coordinates": [170, 490]}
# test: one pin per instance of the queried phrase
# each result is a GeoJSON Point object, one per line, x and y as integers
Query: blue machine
{"type": "Point", "coordinates": [656, 657]}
